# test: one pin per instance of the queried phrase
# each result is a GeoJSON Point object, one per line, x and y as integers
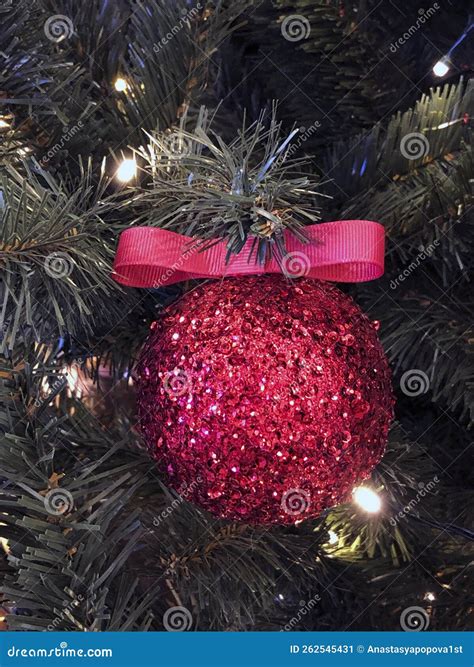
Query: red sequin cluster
{"type": "Point", "coordinates": [265, 400]}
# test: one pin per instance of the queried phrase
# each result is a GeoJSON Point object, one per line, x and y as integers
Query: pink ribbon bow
{"type": "Point", "coordinates": [343, 251]}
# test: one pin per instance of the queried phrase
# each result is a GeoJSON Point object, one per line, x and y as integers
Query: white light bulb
{"type": "Point", "coordinates": [4, 543]}
{"type": "Point", "coordinates": [120, 85]}
{"type": "Point", "coordinates": [430, 597]}
{"type": "Point", "coordinates": [3, 123]}
{"type": "Point", "coordinates": [441, 67]}
{"type": "Point", "coordinates": [127, 171]}
{"type": "Point", "coordinates": [72, 379]}
{"type": "Point", "coordinates": [333, 538]}
{"type": "Point", "coordinates": [367, 499]}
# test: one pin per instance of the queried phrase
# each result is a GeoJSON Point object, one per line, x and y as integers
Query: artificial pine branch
{"type": "Point", "coordinates": [435, 127]}
{"type": "Point", "coordinates": [206, 188]}
{"type": "Point", "coordinates": [62, 99]}
{"type": "Point", "coordinates": [440, 344]}
{"type": "Point", "coordinates": [338, 62]}
{"type": "Point", "coordinates": [67, 485]}
{"type": "Point", "coordinates": [55, 263]}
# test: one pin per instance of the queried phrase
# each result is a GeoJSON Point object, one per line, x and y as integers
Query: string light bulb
{"type": "Point", "coordinates": [430, 597]}
{"type": "Point", "coordinates": [120, 85]}
{"type": "Point", "coordinates": [3, 123]}
{"type": "Point", "coordinates": [441, 68]}
{"type": "Point", "coordinates": [127, 170]}
{"type": "Point", "coordinates": [333, 538]}
{"type": "Point", "coordinates": [367, 499]}
{"type": "Point", "coordinates": [4, 543]}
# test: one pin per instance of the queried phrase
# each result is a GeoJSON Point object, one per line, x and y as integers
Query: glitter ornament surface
{"type": "Point", "coordinates": [267, 400]}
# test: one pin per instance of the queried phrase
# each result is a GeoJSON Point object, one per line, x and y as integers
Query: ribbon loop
{"type": "Point", "coordinates": [342, 251]}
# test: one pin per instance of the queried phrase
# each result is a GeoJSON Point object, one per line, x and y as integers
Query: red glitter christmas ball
{"type": "Point", "coordinates": [264, 400]}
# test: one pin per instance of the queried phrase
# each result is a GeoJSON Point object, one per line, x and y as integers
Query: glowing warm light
{"type": "Point", "coordinates": [120, 85]}
{"type": "Point", "coordinates": [72, 379]}
{"type": "Point", "coordinates": [127, 171]}
{"type": "Point", "coordinates": [3, 123]}
{"type": "Point", "coordinates": [5, 544]}
{"type": "Point", "coordinates": [367, 499]}
{"type": "Point", "coordinates": [333, 538]}
{"type": "Point", "coordinates": [441, 67]}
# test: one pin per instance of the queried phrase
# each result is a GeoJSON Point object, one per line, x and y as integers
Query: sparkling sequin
{"type": "Point", "coordinates": [276, 396]}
